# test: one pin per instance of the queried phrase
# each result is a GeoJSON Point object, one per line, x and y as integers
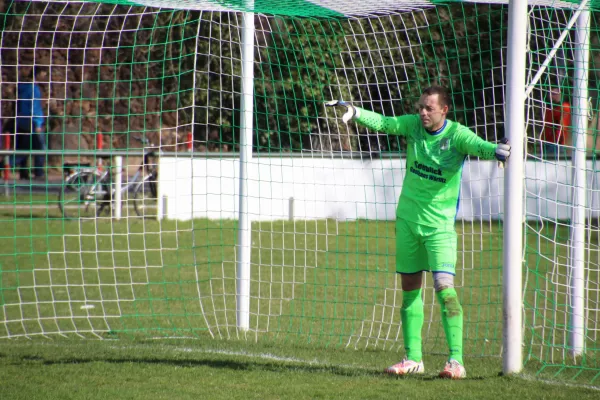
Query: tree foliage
{"type": "Point", "coordinates": [135, 70]}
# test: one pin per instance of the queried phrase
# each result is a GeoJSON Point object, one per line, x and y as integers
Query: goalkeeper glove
{"type": "Point", "coordinates": [350, 109]}
{"type": "Point", "coordinates": [503, 150]}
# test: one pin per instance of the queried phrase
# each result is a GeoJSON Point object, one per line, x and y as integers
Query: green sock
{"type": "Point", "coordinates": [412, 316]}
{"type": "Point", "coordinates": [452, 319]}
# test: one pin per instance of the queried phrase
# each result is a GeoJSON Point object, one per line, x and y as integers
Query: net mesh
{"type": "Point", "coordinates": [121, 80]}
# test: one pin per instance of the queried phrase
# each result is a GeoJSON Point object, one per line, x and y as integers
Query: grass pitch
{"type": "Point", "coordinates": [324, 312]}
{"type": "Point", "coordinates": [209, 369]}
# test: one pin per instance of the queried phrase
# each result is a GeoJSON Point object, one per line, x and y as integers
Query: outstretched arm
{"type": "Point", "coordinates": [376, 122]}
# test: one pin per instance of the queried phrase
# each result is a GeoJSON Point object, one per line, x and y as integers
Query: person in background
{"type": "Point", "coordinates": [8, 134]}
{"type": "Point", "coordinates": [557, 126]}
{"type": "Point", "coordinates": [30, 123]}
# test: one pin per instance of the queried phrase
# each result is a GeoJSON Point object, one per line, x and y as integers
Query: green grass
{"type": "Point", "coordinates": [324, 311]}
{"type": "Point", "coordinates": [205, 368]}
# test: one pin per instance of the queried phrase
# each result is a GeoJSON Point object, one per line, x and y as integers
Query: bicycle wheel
{"type": "Point", "coordinates": [82, 195]}
{"type": "Point", "coordinates": [144, 197]}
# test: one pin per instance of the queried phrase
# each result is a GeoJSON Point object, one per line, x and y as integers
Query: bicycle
{"type": "Point", "coordinates": [88, 191]}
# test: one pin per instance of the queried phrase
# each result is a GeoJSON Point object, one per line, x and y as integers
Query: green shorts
{"type": "Point", "coordinates": [424, 248]}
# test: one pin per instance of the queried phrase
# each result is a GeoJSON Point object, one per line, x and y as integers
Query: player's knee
{"type": "Point", "coordinates": [442, 280]}
{"type": "Point", "coordinates": [411, 281]}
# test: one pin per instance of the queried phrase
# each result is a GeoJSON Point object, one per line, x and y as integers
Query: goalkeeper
{"type": "Point", "coordinates": [425, 234]}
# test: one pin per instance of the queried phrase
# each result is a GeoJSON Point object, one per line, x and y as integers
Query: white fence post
{"type": "Point", "coordinates": [118, 187]}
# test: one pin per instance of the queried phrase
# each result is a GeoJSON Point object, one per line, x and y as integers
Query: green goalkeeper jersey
{"type": "Point", "coordinates": [434, 162]}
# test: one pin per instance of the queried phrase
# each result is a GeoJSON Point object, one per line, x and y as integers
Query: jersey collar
{"type": "Point", "coordinates": [433, 133]}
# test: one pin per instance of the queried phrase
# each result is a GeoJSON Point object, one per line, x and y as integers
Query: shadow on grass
{"type": "Point", "coordinates": [266, 366]}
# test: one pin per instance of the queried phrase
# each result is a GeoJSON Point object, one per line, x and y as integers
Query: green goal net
{"type": "Point", "coordinates": [123, 221]}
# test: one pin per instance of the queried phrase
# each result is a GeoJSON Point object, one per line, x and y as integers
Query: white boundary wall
{"type": "Point", "coordinates": [349, 189]}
